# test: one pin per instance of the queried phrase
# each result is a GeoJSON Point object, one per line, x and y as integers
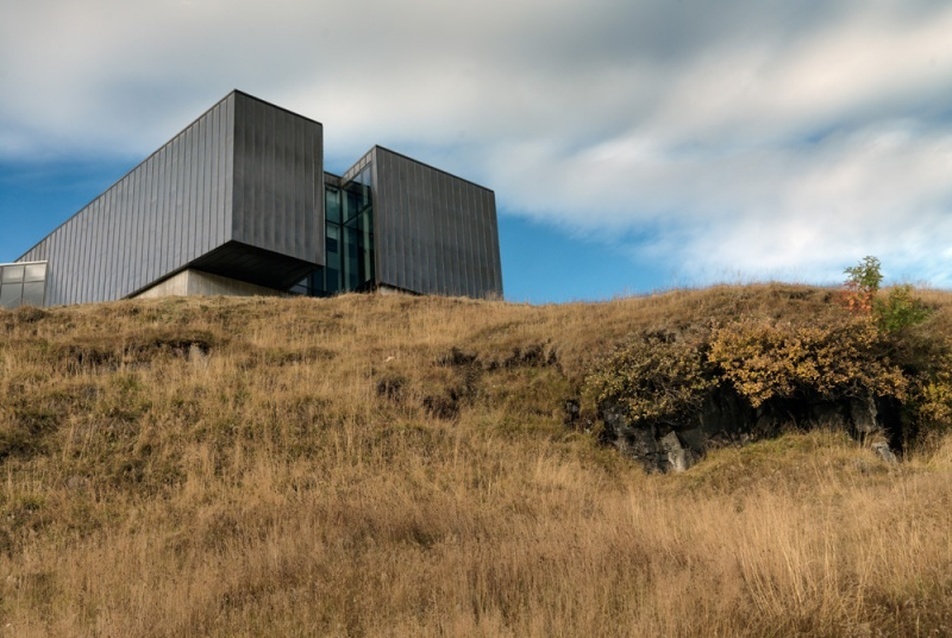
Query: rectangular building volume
{"type": "Point", "coordinates": [239, 203]}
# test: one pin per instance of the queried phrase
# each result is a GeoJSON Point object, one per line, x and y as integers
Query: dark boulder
{"type": "Point", "coordinates": [726, 418]}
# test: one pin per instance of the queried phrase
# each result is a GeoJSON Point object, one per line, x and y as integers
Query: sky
{"type": "Point", "coordinates": [633, 145]}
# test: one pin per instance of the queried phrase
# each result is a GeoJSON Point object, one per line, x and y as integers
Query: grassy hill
{"type": "Point", "coordinates": [402, 466]}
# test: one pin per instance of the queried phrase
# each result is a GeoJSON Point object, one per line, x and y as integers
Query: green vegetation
{"type": "Point", "coordinates": [405, 466]}
{"type": "Point", "coordinates": [875, 345]}
{"type": "Point", "coordinates": [666, 378]}
{"type": "Point", "coordinates": [900, 308]}
{"type": "Point", "coordinates": [863, 283]}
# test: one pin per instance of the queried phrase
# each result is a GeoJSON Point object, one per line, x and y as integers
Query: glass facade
{"type": "Point", "coordinates": [349, 239]}
{"type": "Point", "coordinates": [22, 284]}
{"type": "Point", "coordinates": [358, 232]}
{"type": "Point", "coordinates": [332, 276]}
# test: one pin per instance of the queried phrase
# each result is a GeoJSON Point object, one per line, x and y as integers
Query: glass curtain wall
{"type": "Point", "coordinates": [349, 248]}
{"type": "Point", "coordinates": [22, 284]}
{"type": "Point", "coordinates": [358, 232]}
{"type": "Point", "coordinates": [332, 274]}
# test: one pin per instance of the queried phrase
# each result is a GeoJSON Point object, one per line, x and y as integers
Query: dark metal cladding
{"type": "Point", "coordinates": [279, 181]}
{"type": "Point", "coordinates": [245, 171]}
{"type": "Point", "coordinates": [436, 232]}
{"type": "Point", "coordinates": [240, 193]}
{"type": "Point", "coordinates": [144, 226]}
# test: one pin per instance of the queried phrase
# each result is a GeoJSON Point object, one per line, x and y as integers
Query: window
{"type": "Point", "coordinates": [333, 241]}
{"type": "Point", "coordinates": [33, 293]}
{"type": "Point", "coordinates": [358, 231]}
{"type": "Point", "coordinates": [348, 229]}
{"type": "Point", "coordinates": [332, 204]}
{"type": "Point", "coordinates": [12, 274]}
{"type": "Point", "coordinates": [10, 295]}
{"type": "Point", "coordinates": [34, 272]}
{"type": "Point", "coordinates": [22, 284]}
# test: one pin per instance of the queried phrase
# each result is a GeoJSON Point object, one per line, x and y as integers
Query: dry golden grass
{"type": "Point", "coordinates": [397, 466]}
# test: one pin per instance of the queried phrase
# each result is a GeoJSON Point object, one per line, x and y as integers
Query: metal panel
{"type": "Point", "coordinates": [279, 181]}
{"type": "Point", "coordinates": [157, 208]}
{"type": "Point", "coordinates": [245, 171]}
{"type": "Point", "coordinates": [240, 192]}
{"type": "Point", "coordinates": [436, 233]}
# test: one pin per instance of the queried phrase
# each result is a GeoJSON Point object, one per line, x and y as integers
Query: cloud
{"type": "Point", "coordinates": [757, 136]}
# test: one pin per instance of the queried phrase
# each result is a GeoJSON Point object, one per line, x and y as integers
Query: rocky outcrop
{"type": "Point", "coordinates": [728, 419]}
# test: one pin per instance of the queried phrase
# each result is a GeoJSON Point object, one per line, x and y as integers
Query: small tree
{"type": "Point", "coordinates": [862, 285]}
{"type": "Point", "coordinates": [899, 309]}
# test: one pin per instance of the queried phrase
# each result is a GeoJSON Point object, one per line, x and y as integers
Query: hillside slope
{"type": "Point", "coordinates": [390, 466]}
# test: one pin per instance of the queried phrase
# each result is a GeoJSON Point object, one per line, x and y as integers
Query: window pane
{"type": "Point", "coordinates": [352, 258]}
{"type": "Point", "coordinates": [351, 203]}
{"type": "Point", "coordinates": [317, 283]}
{"type": "Point", "coordinates": [332, 204]}
{"type": "Point", "coordinates": [301, 287]}
{"type": "Point", "coordinates": [12, 274]}
{"type": "Point", "coordinates": [364, 179]}
{"type": "Point", "coordinates": [35, 272]}
{"type": "Point", "coordinates": [333, 280]}
{"type": "Point", "coordinates": [332, 246]}
{"type": "Point", "coordinates": [10, 295]}
{"type": "Point", "coordinates": [33, 293]}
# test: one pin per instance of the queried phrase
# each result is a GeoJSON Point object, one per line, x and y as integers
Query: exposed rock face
{"type": "Point", "coordinates": [863, 414]}
{"type": "Point", "coordinates": [677, 455]}
{"type": "Point", "coordinates": [573, 410]}
{"type": "Point", "coordinates": [728, 419]}
{"type": "Point", "coordinates": [882, 449]}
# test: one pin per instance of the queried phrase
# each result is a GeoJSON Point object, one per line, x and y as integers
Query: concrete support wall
{"type": "Point", "coordinates": [195, 282]}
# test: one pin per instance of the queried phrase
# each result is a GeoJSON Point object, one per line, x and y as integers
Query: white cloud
{"type": "Point", "coordinates": [756, 136]}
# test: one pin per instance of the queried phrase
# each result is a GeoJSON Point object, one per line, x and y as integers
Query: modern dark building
{"type": "Point", "coordinates": [239, 203]}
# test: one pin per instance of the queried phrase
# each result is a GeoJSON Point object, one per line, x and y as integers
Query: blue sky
{"type": "Point", "coordinates": [633, 145]}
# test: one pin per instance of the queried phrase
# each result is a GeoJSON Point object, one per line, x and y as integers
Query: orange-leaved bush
{"type": "Point", "coordinates": [765, 358]}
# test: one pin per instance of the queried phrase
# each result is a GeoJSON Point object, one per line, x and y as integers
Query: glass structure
{"type": "Point", "coordinates": [349, 239]}
{"type": "Point", "coordinates": [22, 284]}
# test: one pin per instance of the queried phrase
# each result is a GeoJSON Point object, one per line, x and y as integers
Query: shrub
{"type": "Point", "coordinates": [900, 309]}
{"type": "Point", "coordinates": [935, 401]}
{"type": "Point", "coordinates": [658, 376]}
{"type": "Point", "coordinates": [766, 359]}
{"type": "Point", "coordinates": [665, 378]}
